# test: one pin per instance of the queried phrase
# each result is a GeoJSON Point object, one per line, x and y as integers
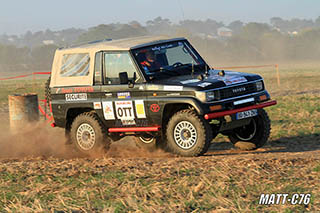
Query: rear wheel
{"type": "Point", "coordinates": [188, 134]}
{"type": "Point", "coordinates": [253, 135]}
{"type": "Point", "coordinates": [88, 135]}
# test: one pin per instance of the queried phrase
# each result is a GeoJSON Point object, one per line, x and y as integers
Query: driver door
{"type": "Point", "coordinates": [123, 106]}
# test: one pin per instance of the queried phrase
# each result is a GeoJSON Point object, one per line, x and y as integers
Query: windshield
{"type": "Point", "coordinates": [168, 59]}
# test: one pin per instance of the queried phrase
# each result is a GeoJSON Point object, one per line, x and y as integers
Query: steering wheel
{"type": "Point", "coordinates": [177, 64]}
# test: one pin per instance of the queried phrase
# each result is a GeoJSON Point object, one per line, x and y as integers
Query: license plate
{"type": "Point", "coordinates": [247, 114]}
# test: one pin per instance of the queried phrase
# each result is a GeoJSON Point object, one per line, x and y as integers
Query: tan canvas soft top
{"type": "Point", "coordinates": [119, 44]}
{"type": "Point", "coordinates": [91, 49]}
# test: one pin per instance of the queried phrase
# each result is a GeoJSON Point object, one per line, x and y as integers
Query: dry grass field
{"type": "Point", "coordinates": [38, 173]}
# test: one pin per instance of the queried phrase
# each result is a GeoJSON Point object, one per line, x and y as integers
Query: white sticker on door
{"type": "Point", "coordinates": [124, 110]}
{"type": "Point", "coordinates": [172, 88]}
{"type": "Point", "coordinates": [76, 97]}
{"type": "Point", "coordinates": [108, 111]}
{"type": "Point", "coordinates": [141, 113]}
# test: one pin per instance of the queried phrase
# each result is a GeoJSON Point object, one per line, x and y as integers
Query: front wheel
{"type": "Point", "coordinates": [188, 134]}
{"type": "Point", "coordinates": [88, 135]}
{"type": "Point", "coordinates": [253, 135]}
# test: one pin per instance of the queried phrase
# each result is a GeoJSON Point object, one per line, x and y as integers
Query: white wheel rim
{"type": "Point", "coordinates": [86, 137]}
{"type": "Point", "coordinates": [251, 135]}
{"type": "Point", "coordinates": [185, 135]}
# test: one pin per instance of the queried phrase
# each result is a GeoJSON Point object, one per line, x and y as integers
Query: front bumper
{"type": "Point", "coordinates": [234, 111]}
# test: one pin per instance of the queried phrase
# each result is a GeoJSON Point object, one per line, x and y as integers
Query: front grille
{"type": "Point", "coordinates": [237, 91]}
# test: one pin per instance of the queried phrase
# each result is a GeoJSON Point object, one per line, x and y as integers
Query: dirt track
{"type": "Point", "coordinates": [41, 140]}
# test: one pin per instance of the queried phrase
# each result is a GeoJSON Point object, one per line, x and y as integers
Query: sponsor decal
{"type": "Point", "coordinates": [155, 107]}
{"type": "Point", "coordinates": [204, 84]}
{"type": "Point", "coordinates": [108, 111]}
{"type": "Point", "coordinates": [173, 94]}
{"type": "Point", "coordinates": [153, 87]}
{"type": "Point", "coordinates": [232, 72]}
{"type": "Point", "coordinates": [190, 81]}
{"type": "Point", "coordinates": [66, 90]}
{"type": "Point", "coordinates": [97, 105]}
{"type": "Point", "coordinates": [123, 95]}
{"type": "Point", "coordinates": [128, 122]}
{"type": "Point", "coordinates": [243, 101]}
{"type": "Point", "coordinates": [229, 80]}
{"type": "Point", "coordinates": [83, 89]}
{"type": "Point", "coordinates": [173, 88]}
{"type": "Point", "coordinates": [234, 80]}
{"type": "Point", "coordinates": [138, 123]}
{"type": "Point", "coordinates": [108, 95]}
{"type": "Point", "coordinates": [76, 97]}
{"type": "Point", "coordinates": [139, 104]}
{"type": "Point", "coordinates": [165, 46]}
{"type": "Point", "coordinates": [75, 90]}
{"type": "Point", "coordinates": [124, 110]}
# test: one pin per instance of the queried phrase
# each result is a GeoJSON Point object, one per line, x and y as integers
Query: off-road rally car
{"type": "Point", "coordinates": [159, 90]}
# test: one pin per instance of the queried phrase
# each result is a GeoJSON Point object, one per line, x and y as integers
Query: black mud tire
{"type": "Point", "coordinates": [147, 142]}
{"type": "Point", "coordinates": [88, 126]}
{"type": "Point", "coordinates": [198, 125]}
{"type": "Point", "coordinates": [48, 91]}
{"type": "Point", "coordinates": [246, 138]}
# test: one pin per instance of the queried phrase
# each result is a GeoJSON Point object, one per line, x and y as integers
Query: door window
{"type": "Point", "coordinates": [114, 63]}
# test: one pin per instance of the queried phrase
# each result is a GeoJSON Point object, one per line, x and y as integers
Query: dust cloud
{"type": "Point", "coordinates": [34, 140]}
{"type": "Point", "coordinates": [41, 140]}
{"type": "Point", "coordinates": [126, 148]}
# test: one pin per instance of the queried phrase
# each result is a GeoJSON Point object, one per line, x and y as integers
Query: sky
{"type": "Point", "coordinates": [19, 16]}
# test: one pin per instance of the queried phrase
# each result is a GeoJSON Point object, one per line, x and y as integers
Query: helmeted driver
{"type": "Point", "coordinates": [150, 63]}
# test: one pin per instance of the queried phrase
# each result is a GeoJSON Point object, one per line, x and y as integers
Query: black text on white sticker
{"type": "Point", "coordinates": [124, 110]}
{"type": "Point", "coordinates": [76, 97]}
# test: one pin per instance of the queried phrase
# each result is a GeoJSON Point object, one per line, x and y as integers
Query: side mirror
{"type": "Point", "coordinates": [134, 77]}
{"type": "Point", "coordinates": [131, 82]}
{"type": "Point", "coordinates": [123, 76]}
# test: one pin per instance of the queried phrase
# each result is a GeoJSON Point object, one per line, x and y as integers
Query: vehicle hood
{"type": "Point", "coordinates": [213, 80]}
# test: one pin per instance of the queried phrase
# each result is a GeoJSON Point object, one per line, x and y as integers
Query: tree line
{"type": "Point", "coordinates": [280, 40]}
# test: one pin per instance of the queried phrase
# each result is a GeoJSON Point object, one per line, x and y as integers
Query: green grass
{"type": "Point", "coordinates": [316, 169]}
{"type": "Point", "coordinates": [12, 87]}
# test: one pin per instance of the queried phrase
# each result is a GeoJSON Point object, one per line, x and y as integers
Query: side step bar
{"type": "Point", "coordinates": [135, 129]}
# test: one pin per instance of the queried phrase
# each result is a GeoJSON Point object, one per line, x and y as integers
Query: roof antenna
{"type": "Point", "coordinates": [182, 12]}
